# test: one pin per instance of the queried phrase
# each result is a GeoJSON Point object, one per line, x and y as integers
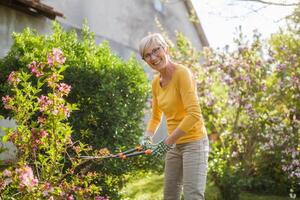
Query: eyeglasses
{"type": "Point", "coordinates": [154, 52]}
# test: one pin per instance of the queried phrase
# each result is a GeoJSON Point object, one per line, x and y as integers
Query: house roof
{"type": "Point", "coordinates": [32, 7]}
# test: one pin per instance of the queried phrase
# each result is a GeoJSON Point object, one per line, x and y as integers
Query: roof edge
{"type": "Point", "coordinates": [199, 29]}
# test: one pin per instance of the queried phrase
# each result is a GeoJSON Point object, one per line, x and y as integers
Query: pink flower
{"type": "Point", "coordinates": [26, 177]}
{"type": "Point", "coordinates": [6, 100]}
{"type": "Point", "coordinates": [43, 133]}
{"type": "Point", "coordinates": [7, 173]}
{"type": "Point", "coordinates": [56, 56]}
{"type": "Point", "coordinates": [59, 57]}
{"type": "Point", "coordinates": [13, 78]}
{"type": "Point", "coordinates": [64, 88]}
{"type": "Point", "coordinates": [36, 68]}
{"type": "Point", "coordinates": [50, 61]}
{"type": "Point", "coordinates": [44, 102]}
{"type": "Point", "coordinates": [70, 197]}
{"type": "Point", "coordinates": [263, 87]}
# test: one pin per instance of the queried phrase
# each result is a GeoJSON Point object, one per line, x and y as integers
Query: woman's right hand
{"type": "Point", "coordinates": [146, 141]}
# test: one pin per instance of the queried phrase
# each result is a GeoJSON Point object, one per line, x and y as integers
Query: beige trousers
{"type": "Point", "coordinates": [186, 166]}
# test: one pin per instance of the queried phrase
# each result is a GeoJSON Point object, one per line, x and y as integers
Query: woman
{"type": "Point", "coordinates": [174, 95]}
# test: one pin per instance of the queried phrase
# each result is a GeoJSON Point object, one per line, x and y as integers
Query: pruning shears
{"type": "Point", "coordinates": [138, 150]}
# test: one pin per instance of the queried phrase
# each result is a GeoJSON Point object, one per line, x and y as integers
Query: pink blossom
{"type": "Point", "coordinates": [26, 177]}
{"type": "Point", "coordinates": [263, 87]}
{"type": "Point", "coordinates": [56, 57]}
{"type": "Point", "coordinates": [43, 133]}
{"type": "Point", "coordinates": [7, 173]}
{"type": "Point", "coordinates": [59, 57]}
{"type": "Point", "coordinates": [44, 102]}
{"type": "Point", "coordinates": [64, 88]}
{"type": "Point", "coordinates": [36, 68]}
{"type": "Point", "coordinates": [6, 100]}
{"type": "Point", "coordinates": [50, 61]}
{"type": "Point", "coordinates": [13, 78]}
{"type": "Point", "coordinates": [70, 197]}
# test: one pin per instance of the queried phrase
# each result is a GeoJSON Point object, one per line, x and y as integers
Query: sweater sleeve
{"type": "Point", "coordinates": [188, 93]}
{"type": "Point", "coordinates": [156, 114]}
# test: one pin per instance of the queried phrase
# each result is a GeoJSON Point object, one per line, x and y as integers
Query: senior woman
{"type": "Point", "coordinates": [174, 94]}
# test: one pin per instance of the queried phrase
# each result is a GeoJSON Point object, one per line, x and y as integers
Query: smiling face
{"type": "Point", "coordinates": [154, 51]}
{"type": "Point", "coordinates": [156, 56]}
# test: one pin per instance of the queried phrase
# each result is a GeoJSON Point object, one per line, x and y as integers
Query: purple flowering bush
{"type": "Point", "coordinates": [253, 118]}
{"type": "Point", "coordinates": [47, 160]}
{"type": "Point", "coordinates": [250, 102]}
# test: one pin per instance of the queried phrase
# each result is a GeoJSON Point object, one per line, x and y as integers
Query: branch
{"type": "Point", "coordinates": [273, 3]}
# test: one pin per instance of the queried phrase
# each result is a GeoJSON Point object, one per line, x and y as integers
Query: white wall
{"type": "Point", "coordinates": [126, 21]}
{"type": "Point", "coordinates": [15, 21]}
{"type": "Point", "coordinates": [122, 22]}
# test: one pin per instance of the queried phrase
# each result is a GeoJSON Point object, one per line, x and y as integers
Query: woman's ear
{"type": "Point", "coordinates": [166, 48]}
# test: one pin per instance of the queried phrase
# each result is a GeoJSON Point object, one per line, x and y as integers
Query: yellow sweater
{"type": "Point", "coordinates": [179, 103]}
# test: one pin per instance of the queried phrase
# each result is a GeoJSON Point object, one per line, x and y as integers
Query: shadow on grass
{"type": "Point", "coordinates": [150, 187]}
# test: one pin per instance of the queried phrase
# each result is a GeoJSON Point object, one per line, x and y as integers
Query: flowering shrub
{"type": "Point", "coordinates": [286, 87]}
{"type": "Point", "coordinates": [110, 94]}
{"type": "Point", "coordinates": [47, 159]}
{"type": "Point", "coordinates": [250, 102]}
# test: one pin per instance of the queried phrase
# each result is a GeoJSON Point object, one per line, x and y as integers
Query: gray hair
{"type": "Point", "coordinates": [154, 38]}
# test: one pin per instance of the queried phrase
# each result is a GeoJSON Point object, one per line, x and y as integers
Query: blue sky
{"type": "Point", "coordinates": [220, 18]}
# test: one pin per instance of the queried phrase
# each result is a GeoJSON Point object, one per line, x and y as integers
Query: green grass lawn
{"type": "Point", "coordinates": [150, 187]}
